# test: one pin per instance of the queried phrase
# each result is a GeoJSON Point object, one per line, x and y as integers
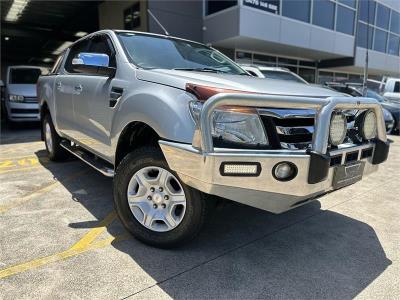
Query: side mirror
{"type": "Point", "coordinates": [93, 63]}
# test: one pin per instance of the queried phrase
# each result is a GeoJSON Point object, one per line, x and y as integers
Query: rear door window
{"type": "Point", "coordinates": [24, 75]}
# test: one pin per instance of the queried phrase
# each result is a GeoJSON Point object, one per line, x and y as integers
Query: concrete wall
{"type": "Point", "coordinates": [378, 63]}
{"type": "Point", "coordinates": [111, 14]}
{"type": "Point", "coordinates": [180, 18]}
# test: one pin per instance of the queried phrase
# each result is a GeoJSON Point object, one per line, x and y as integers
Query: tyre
{"type": "Point", "coordinates": [153, 203]}
{"type": "Point", "coordinates": [52, 140]}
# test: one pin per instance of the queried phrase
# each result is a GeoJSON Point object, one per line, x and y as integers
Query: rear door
{"type": "Point", "coordinates": [65, 88]}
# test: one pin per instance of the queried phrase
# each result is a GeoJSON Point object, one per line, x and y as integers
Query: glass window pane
{"type": "Point", "coordinates": [213, 6]}
{"type": "Point", "coordinates": [345, 20]}
{"type": "Point", "coordinates": [394, 44]}
{"type": "Point", "coordinates": [287, 61]}
{"type": "Point", "coordinates": [380, 40]}
{"type": "Point", "coordinates": [363, 13]}
{"type": "Point", "coordinates": [362, 36]}
{"type": "Point", "coordinates": [307, 74]}
{"type": "Point", "coordinates": [395, 22]}
{"type": "Point", "coordinates": [264, 59]}
{"type": "Point", "coordinates": [382, 16]}
{"type": "Point", "coordinates": [297, 9]}
{"type": "Point", "coordinates": [351, 3]}
{"type": "Point", "coordinates": [324, 13]}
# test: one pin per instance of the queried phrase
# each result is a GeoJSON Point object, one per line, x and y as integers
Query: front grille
{"type": "Point", "coordinates": [30, 100]}
{"type": "Point", "coordinates": [289, 132]}
{"type": "Point", "coordinates": [24, 111]}
{"type": "Point", "coordinates": [294, 128]}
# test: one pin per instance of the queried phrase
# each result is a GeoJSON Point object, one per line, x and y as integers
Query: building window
{"type": "Point", "coordinates": [213, 6]}
{"type": "Point", "coordinates": [307, 74]}
{"type": "Point", "coordinates": [132, 17]}
{"type": "Point", "coordinates": [395, 22]}
{"type": "Point", "coordinates": [367, 11]}
{"type": "Point", "coordinates": [267, 60]}
{"type": "Point", "coordinates": [382, 16]}
{"type": "Point", "coordinates": [380, 40]}
{"type": "Point", "coordinates": [297, 9]}
{"type": "Point", "coordinates": [324, 13]}
{"type": "Point", "coordinates": [363, 36]}
{"type": "Point", "coordinates": [351, 3]}
{"type": "Point", "coordinates": [394, 44]}
{"type": "Point", "coordinates": [345, 20]}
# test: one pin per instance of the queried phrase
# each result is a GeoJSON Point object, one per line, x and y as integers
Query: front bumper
{"type": "Point", "coordinates": [22, 111]}
{"type": "Point", "coordinates": [199, 165]}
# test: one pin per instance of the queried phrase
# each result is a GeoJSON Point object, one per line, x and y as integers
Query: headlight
{"type": "Point", "coordinates": [337, 129]}
{"type": "Point", "coordinates": [16, 98]}
{"type": "Point", "coordinates": [233, 126]}
{"type": "Point", "coordinates": [368, 125]}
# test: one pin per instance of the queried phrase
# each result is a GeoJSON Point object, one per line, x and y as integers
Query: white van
{"type": "Point", "coordinates": [20, 97]}
{"type": "Point", "coordinates": [392, 89]}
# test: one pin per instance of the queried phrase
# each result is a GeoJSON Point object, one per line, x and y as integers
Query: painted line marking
{"type": "Point", "coordinates": [86, 243]}
{"type": "Point", "coordinates": [39, 192]}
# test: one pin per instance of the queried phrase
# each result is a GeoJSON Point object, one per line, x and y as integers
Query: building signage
{"type": "Point", "coordinates": [271, 6]}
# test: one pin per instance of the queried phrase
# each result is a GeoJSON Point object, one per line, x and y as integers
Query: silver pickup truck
{"type": "Point", "coordinates": [174, 120]}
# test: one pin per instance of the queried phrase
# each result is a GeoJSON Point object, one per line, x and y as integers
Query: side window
{"type": "Point", "coordinates": [396, 87]}
{"type": "Point", "coordinates": [102, 44]}
{"type": "Point", "coordinates": [82, 46]}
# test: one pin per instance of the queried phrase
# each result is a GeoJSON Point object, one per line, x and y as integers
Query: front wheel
{"type": "Point", "coordinates": [152, 202]}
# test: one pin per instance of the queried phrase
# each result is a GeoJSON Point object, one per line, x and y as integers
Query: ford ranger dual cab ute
{"type": "Point", "coordinates": [174, 120]}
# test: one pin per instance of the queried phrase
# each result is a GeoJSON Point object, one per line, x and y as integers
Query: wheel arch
{"type": "Point", "coordinates": [134, 135]}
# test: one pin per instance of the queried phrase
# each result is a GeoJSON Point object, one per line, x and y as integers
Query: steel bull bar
{"type": "Point", "coordinates": [320, 160]}
{"type": "Point", "coordinates": [201, 165]}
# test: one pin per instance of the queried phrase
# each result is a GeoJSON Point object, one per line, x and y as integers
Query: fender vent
{"type": "Point", "coordinates": [115, 95]}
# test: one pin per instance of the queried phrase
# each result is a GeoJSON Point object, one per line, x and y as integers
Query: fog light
{"type": "Point", "coordinates": [368, 128]}
{"type": "Point", "coordinates": [337, 129]}
{"type": "Point", "coordinates": [284, 171]}
{"type": "Point", "coordinates": [240, 169]}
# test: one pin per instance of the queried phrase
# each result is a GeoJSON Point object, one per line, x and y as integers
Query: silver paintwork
{"type": "Point", "coordinates": [154, 201]}
{"type": "Point", "coordinates": [79, 107]}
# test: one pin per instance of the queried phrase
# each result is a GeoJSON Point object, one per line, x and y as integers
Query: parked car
{"type": "Point", "coordinates": [20, 93]}
{"type": "Point", "coordinates": [173, 120]}
{"type": "Point", "coordinates": [391, 109]}
{"type": "Point", "coordinates": [273, 73]}
{"type": "Point", "coordinates": [392, 89]}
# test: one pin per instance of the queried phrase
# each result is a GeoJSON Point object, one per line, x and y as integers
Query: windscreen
{"type": "Point", "coordinates": [154, 52]}
{"type": "Point", "coordinates": [280, 75]}
{"type": "Point", "coordinates": [24, 76]}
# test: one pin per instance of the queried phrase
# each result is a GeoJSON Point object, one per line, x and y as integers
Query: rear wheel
{"type": "Point", "coordinates": [152, 202]}
{"type": "Point", "coordinates": [52, 140]}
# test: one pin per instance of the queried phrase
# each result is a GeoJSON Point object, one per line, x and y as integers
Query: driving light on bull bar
{"type": "Point", "coordinates": [284, 171]}
{"type": "Point", "coordinates": [337, 129]}
{"type": "Point", "coordinates": [240, 169]}
{"type": "Point", "coordinates": [368, 128]}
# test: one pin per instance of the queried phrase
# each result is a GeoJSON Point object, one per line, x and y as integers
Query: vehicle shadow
{"type": "Point", "coordinates": [243, 252]}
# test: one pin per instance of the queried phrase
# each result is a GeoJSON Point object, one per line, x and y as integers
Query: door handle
{"type": "Point", "coordinates": [78, 88]}
{"type": "Point", "coordinates": [59, 85]}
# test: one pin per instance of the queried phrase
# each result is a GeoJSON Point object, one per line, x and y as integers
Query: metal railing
{"type": "Point", "coordinates": [324, 109]}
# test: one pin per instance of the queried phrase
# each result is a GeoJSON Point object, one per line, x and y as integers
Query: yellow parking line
{"type": "Point", "coordinates": [84, 244]}
{"type": "Point", "coordinates": [39, 192]}
{"type": "Point", "coordinates": [19, 169]}
{"type": "Point", "coordinates": [59, 256]}
{"type": "Point", "coordinates": [95, 232]}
